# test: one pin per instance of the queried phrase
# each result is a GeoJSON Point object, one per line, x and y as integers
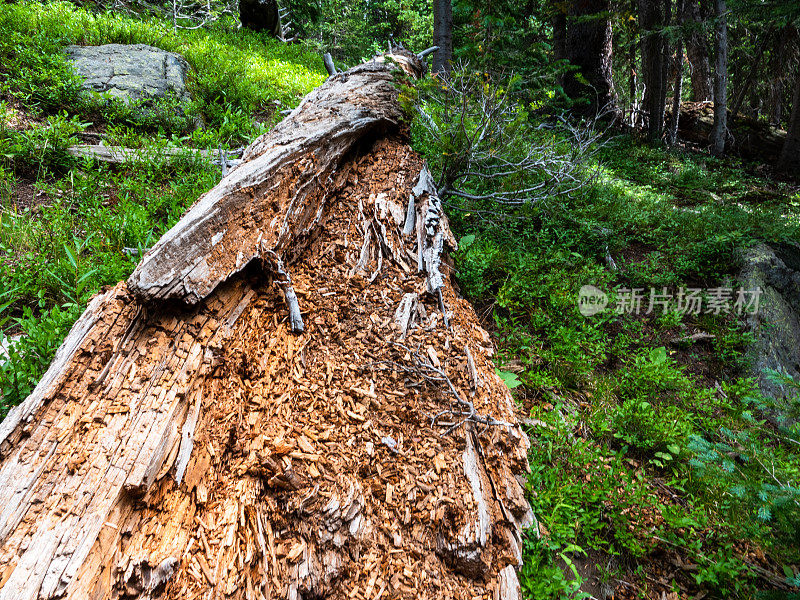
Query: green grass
{"type": "Point", "coordinates": [240, 78]}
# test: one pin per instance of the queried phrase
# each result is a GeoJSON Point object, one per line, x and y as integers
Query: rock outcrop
{"type": "Point", "coordinates": [776, 326]}
{"type": "Point", "coordinates": [131, 72]}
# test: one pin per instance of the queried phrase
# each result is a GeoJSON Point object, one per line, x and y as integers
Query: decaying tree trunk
{"type": "Point", "coordinates": [186, 444]}
{"type": "Point", "coordinates": [749, 138]}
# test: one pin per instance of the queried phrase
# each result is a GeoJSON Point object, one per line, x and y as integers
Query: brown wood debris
{"type": "Point", "coordinates": [196, 448]}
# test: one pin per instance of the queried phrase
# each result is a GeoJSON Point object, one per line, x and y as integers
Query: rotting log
{"type": "Point", "coordinates": [749, 138]}
{"type": "Point", "coordinates": [186, 444]}
{"type": "Point", "coordinates": [119, 155]}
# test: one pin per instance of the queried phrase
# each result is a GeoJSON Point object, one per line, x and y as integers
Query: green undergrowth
{"type": "Point", "coordinates": [239, 81]}
{"type": "Point", "coordinates": [644, 447]}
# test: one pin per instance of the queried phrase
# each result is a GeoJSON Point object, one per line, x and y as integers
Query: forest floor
{"type": "Point", "coordinates": [629, 413]}
{"type": "Point", "coordinates": [631, 410]}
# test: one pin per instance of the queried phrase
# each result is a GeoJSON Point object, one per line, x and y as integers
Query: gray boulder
{"type": "Point", "coordinates": [776, 325]}
{"type": "Point", "coordinates": [131, 72]}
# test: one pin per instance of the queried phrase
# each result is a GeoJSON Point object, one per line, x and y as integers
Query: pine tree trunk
{"type": "Point", "coordinates": [651, 19]}
{"type": "Point", "coordinates": [633, 78]}
{"type": "Point", "coordinates": [677, 88]}
{"type": "Point", "coordinates": [442, 35]}
{"type": "Point", "coordinates": [697, 53]}
{"type": "Point", "coordinates": [665, 58]}
{"type": "Point", "coordinates": [779, 58]}
{"type": "Point", "coordinates": [719, 131]}
{"type": "Point", "coordinates": [751, 71]}
{"type": "Point", "coordinates": [589, 47]}
{"type": "Point", "coordinates": [789, 161]}
{"type": "Point", "coordinates": [186, 444]}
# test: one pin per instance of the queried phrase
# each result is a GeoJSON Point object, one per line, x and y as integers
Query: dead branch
{"type": "Point", "coordinates": [119, 155]}
{"type": "Point", "coordinates": [493, 144]}
{"type": "Point", "coordinates": [427, 51]}
{"type": "Point", "coordinates": [328, 60]}
{"type": "Point", "coordinates": [463, 412]}
{"type": "Point", "coordinates": [285, 283]}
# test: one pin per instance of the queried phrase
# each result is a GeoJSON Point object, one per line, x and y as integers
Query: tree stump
{"type": "Point", "coordinates": [185, 444]}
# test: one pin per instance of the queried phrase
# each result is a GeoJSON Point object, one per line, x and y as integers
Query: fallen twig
{"type": "Point", "coordinates": [465, 413]}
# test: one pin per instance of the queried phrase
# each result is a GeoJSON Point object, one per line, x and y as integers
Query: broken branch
{"type": "Point", "coordinates": [328, 60]}
{"type": "Point", "coordinates": [285, 283]}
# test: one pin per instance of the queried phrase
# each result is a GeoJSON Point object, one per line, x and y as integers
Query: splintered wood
{"type": "Point", "coordinates": [202, 450]}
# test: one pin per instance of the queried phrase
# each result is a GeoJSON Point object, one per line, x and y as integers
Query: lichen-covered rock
{"type": "Point", "coordinates": [776, 325]}
{"type": "Point", "coordinates": [131, 72]}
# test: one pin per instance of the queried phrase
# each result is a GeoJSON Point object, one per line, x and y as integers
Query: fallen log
{"type": "Point", "coordinates": [119, 154]}
{"type": "Point", "coordinates": [186, 444]}
{"type": "Point", "coordinates": [747, 137]}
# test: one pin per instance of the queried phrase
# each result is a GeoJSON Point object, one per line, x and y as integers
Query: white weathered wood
{"type": "Point", "coordinates": [473, 372]}
{"type": "Point", "coordinates": [120, 154]}
{"type": "Point", "coordinates": [187, 440]}
{"type": "Point", "coordinates": [284, 282]}
{"type": "Point", "coordinates": [184, 264]}
{"type": "Point", "coordinates": [406, 312]}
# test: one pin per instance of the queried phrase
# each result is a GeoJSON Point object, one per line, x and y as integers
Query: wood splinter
{"type": "Point", "coordinates": [285, 283]}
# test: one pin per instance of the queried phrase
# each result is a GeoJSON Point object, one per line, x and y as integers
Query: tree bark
{"type": "Point", "coordinates": [651, 19]}
{"type": "Point", "coordinates": [719, 131]}
{"type": "Point", "coordinates": [186, 444]}
{"type": "Point", "coordinates": [442, 35]}
{"type": "Point", "coordinates": [633, 78]}
{"type": "Point", "coordinates": [665, 58]}
{"type": "Point", "coordinates": [677, 88]}
{"type": "Point", "coordinates": [751, 71]}
{"type": "Point", "coordinates": [589, 47]}
{"type": "Point", "coordinates": [789, 160]}
{"type": "Point", "coordinates": [778, 61]}
{"type": "Point", "coordinates": [697, 53]}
